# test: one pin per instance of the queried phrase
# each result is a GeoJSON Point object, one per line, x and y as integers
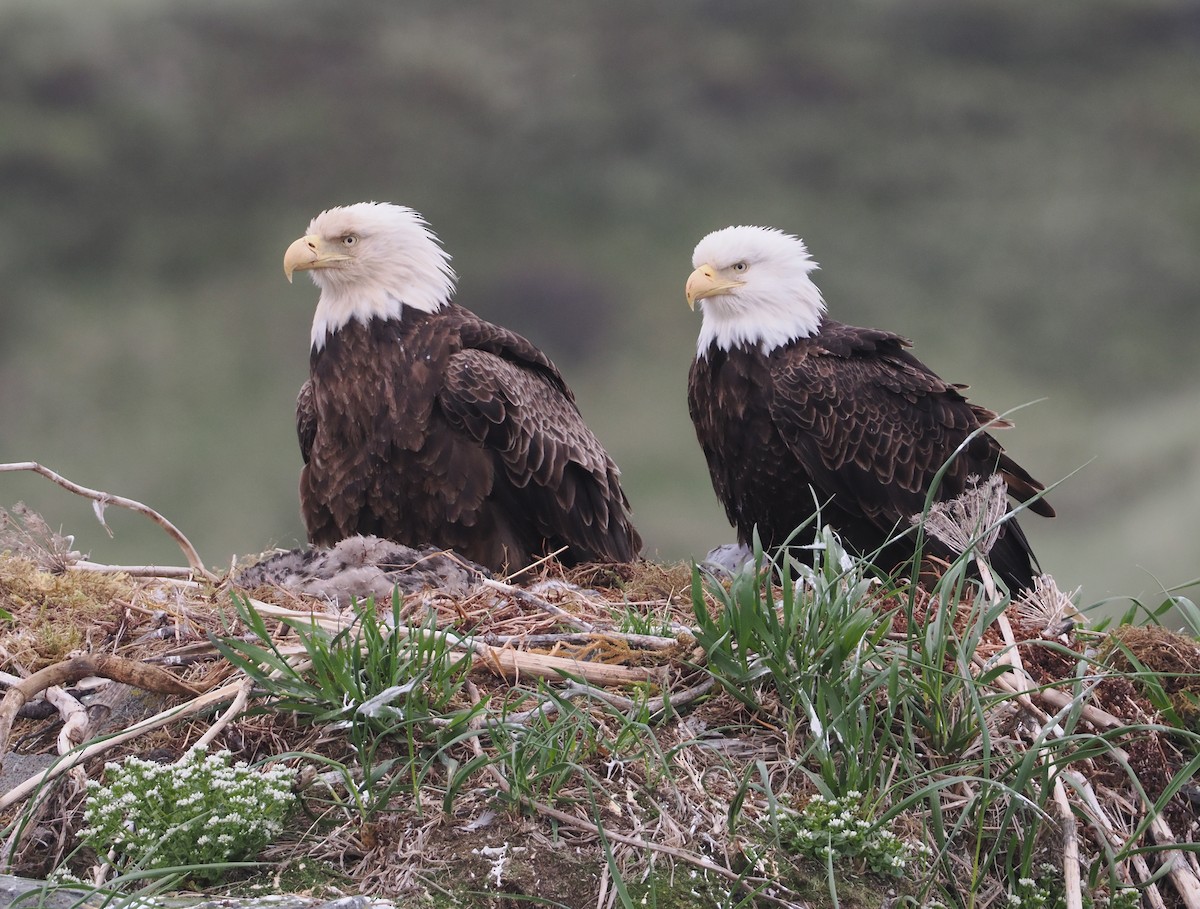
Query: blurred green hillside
{"type": "Point", "coordinates": [1014, 185]}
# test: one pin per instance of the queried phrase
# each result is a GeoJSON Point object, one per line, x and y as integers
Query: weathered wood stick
{"type": "Point", "coordinates": [23, 790]}
{"type": "Point", "coordinates": [103, 498]}
{"type": "Point", "coordinates": [119, 669]}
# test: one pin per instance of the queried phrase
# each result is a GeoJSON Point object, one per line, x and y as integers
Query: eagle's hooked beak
{"type": "Point", "coordinates": [704, 282]}
{"type": "Point", "coordinates": [308, 253]}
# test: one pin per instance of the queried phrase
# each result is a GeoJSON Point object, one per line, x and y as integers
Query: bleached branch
{"type": "Point", "coordinates": [103, 499]}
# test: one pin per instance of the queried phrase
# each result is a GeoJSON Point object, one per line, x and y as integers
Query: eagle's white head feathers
{"type": "Point", "coordinates": [754, 289]}
{"type": "Point", "coordinates": [370, 260]}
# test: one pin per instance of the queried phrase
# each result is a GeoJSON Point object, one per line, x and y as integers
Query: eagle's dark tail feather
{"type": "Point", "coordinates": [1012, 558]}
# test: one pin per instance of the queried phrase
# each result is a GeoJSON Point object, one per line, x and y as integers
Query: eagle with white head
{"type": "Point", "coordinates": [424, 424]}
{"type": "Point", "coordinates": [795, 410]}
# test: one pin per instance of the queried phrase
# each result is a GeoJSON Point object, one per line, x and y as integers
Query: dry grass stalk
{"type": "Point", "coordinates": [1106, 829]}
{"type": "Point", "coordinates": [1046, 607]}
{"type": "Point", "coordinates": [1071, 860]}
{"type": "Point", "coordinates": [970, 520]}
{"type": "Point", "coordinates": [1181, 873]}
{"type": "Point", "coordinates": [973, 520]}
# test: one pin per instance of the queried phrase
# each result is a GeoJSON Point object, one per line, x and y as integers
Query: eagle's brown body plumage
{"type": "Point", "coordinates": [845, 419]}
{"type": "Point", "coordinates": [464, 435]}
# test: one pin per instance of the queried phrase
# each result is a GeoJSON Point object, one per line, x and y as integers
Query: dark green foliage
{"type": "Point", "coordinates": [391, 689]}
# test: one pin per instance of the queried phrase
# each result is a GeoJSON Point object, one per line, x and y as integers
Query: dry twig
{"type": "Point", "coordinates": [528, 599]}
{"type": "Point", "coordinates": [119, 669]}
{"type": "Point", "coordinates": [22, 791]}
{"type": "Point", "coordinates": [232, 713]}
{"type": "Point", "coordinates": [102, 499]}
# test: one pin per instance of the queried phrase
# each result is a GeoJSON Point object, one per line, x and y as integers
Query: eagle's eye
{"type": "Point", "coordinates": [740, 266]}
{"type": "Point", "coordinates": [349, 240]}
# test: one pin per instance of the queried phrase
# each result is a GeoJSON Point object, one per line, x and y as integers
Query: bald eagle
{"type": "Point", "coordinates": [795, 410]}
{"type": "Point", "coordinates": [424, 424]}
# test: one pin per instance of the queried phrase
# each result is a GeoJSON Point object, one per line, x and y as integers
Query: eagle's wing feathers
{"type": "Point", "coordinates": [871, 421]}
{"type": "Point", "coordinates": [567, 483]}
{"type": "Point", "coordinates": [306, 420]}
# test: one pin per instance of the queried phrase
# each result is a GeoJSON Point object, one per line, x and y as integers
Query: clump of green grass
{"type": "Point", "coordinates": [912, 700]}
{"type": "Point", "coordinates": [394, 691]}
{"type": "Point", "coordinates": [799, 651]}
{"type": "Point", "coordinates": [541, 755]}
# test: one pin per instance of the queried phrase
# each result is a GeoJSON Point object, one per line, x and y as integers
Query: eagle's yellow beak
{"type": "Point", "coordinates": [704, 282]}
{"type": "Point", "coordinates": [308, 253]}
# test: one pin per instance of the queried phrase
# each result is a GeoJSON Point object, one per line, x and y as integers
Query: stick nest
{"type": "Point", "coordinates": [138, 651]}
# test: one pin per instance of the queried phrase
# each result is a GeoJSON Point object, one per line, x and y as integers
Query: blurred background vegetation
{"type": "Point", "coordinates": [1015, 185]}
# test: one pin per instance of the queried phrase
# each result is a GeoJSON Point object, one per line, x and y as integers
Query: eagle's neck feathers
{"type": "Point", "coordinates": [363, 302]}
{"type": "Point", "coordinates": [767, 317]}
{"type": "Point", "coordinates": [337, 308]}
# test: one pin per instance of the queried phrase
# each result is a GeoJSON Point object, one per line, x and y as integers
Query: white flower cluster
{"type": "Point", "coordinates": [836, 828]}
{"type": "Point", "coordinates": [201, 811]}
{"type": "Point", "coordinates": [1029, 894]}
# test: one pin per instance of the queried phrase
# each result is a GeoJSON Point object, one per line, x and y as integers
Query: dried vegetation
{"type": "Point", "coordinates": [594, 751]}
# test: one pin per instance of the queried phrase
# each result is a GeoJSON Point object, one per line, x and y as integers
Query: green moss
{"type": "Point", "coordinates": [51, 611]}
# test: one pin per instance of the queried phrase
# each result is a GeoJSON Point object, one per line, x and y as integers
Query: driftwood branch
{"type": "Point", "coordinates": [74, 717]}
{"type": "Point", "coordinates": [232, 713]}
{"type": "Point", "coordinates": [1089, 713]}
{"type": "Point", "coordinates": [119, 669]}
{"type": "Point", "coordinates": [103, 499]}
{"type": "Point", "coordinates": [520, 663]}
{"type": "Point", "coordinates": [504, 661]}
{"type": "Point", "coordinates": [635, 641]}
{"type": "Point", "coordinates": [516, 663]}
{"type": "Point", "coordinates": [135, 571]}
{"type": "Point", "coordinates": [23, 790]}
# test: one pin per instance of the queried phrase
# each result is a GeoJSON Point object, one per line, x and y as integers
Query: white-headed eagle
{"type": "Point", "coordinates": [795, 410]}
{"type": "Point", "coordinates": [424, 424]}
